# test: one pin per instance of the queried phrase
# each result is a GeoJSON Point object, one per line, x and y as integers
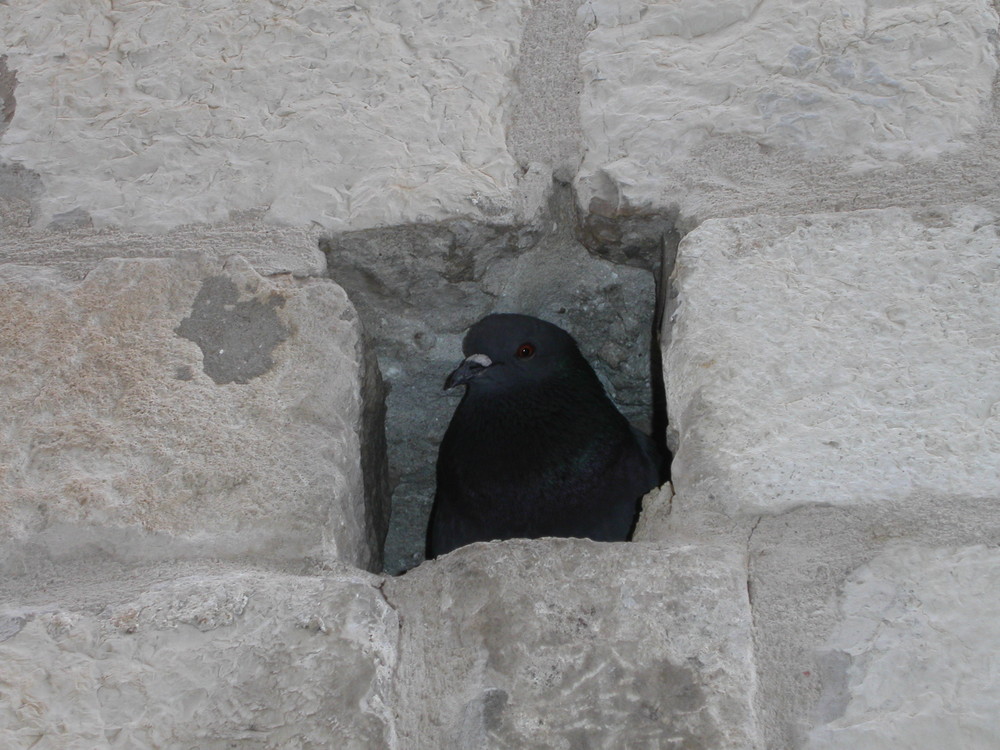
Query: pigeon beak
{"type": "Point", "coordinates": [471, 366]}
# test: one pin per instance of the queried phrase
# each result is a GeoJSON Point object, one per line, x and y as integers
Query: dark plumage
{"type": "Point", "coordinates": [535, 448]}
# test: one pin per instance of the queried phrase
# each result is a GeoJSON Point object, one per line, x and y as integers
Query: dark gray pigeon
{"type": "Point", "coordinates": [535, 448]}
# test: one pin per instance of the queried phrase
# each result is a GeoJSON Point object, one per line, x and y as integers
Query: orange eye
{"type": "Point", "coordinates": [524, 351]}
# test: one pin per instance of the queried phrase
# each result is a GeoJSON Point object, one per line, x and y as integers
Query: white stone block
{"type": "Point", "coordinates": [76, 251]}
{"type": "Point", "coordinates": [844, 360]}
{"type": "Point", "coordinates": [152, 115]}
{"type": "Point", "coordinates": [210, 661]}
{"type": "Point", "coordinates": [702, 108]}
{"type": "Point", "coordinates": [576, 644]}
{"type": "Point", "coordinates": [186, 408]}
{"type": "Point", "coordinates": [831, 385]}
{"type": "Point", "coordinates": [914, 657]}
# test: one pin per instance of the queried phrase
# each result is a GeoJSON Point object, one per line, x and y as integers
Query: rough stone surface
{"type": "Point", "coordinates": [214, 661]}
{"type": "Point", "coordinates": [186, 407]}
{"type": "Point", "coordinates": [846, 360]}
{"type": "Point", "coordinates": [801, 562]}
{"type": "Point", "coordinates": [72, 245]}
{"type": "Point", "coordinates": [545, 115]}
{"type": "Point", "coordinates": [340, 115]}
{"type": "Point", "coordinates": [418, 290]}
{"type": "Point", "coordinates": [913, 658]}
{"type": "Point", "coordinates": [823, 576]}
{"type": "Point", "coordinates": [831, 379]}
{"type": "Point", "coordinates": [437, 128]}
{"type": "Point", "coordinates": [574, 644]}
{"type": "Point", "coordinates": [745, 107]}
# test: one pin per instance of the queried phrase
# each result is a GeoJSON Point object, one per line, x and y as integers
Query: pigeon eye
{"type": "Point", "coordinates": [524, 351]}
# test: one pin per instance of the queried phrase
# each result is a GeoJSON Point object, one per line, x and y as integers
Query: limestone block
{"type": "Point", "coordinates": [76, 249]}
{"type": "Point", "coordinates": [255, 660]}
{"type": "Point", "coordinates": [153, 115]}
{"type": "Point", "coordinates": [575, 644]}
{"type": "Point", "coordinates": [845, 361]}
{"type": "Point", "coordinates": [831, 382]}
{"type": "Point", "coordinates": [801, 563]}
{"type": "Point", "coordinates": [171, 408]}
{"type": "Point", "coordinates": [913, 659]}
{"type": "Point", "coordinates": [743, 106]}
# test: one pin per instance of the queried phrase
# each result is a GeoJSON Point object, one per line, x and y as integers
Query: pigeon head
{"type": "Point", "coordinates": [504, 351]}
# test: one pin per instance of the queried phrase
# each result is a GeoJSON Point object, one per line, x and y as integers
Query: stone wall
{"type": "Point", "coordinates": [773, 228]}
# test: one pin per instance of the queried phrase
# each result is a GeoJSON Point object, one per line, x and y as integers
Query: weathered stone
{"type": "Point", "coordinates": [252, 129]}
{"type": "Point", "coordinates": [574, 644]}
{"type": "Point", "coordinates": [712, 111]}
{"type": "Point", "coordinates": [213, 661]}
{"type": "Point", "coordinates": [832, 376]}
{"type": "Point", "coordinates": [844, 360]}
{"type": "Point", "coordinates": [340, 115]}
{"type": "Point", "coordinates": [831, 380]}
{"type": "Point", "coordinates": [72, 245]}
{"type": "Point", "coordinates": [186, 408]}
{"type": "Point", "coordinates": [544, 123]}
{"type": "Point", "coordinates": [913, 658]}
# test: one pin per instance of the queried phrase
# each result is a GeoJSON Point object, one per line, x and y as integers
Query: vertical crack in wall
{"type": "Point", "coordinates": [748, 562]}
{"type": "Point", "coordinates": [660, 337]}
{"type": "Point", "coordinates": [8, 82]}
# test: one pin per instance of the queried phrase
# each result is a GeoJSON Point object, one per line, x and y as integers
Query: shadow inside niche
{"type": "Point", "coordinates": [418, 288]}
{"type": "Point", "coordinates": [8, 82]}
{"type": "Point", "coordinates": [658, 341]}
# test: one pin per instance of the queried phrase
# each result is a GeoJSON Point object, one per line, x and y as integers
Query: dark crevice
{"type": "Point", "coordinates": [660, 417]}
{"type": "Point", "coordinates": [749, 557]}
{"type": "Point", "coordinates": [418, 288]}
{"type": "Point", "coordinates": [8, 82]}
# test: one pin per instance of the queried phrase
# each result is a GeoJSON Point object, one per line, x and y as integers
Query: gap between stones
{"type": "Point", "coordinates": [418, 288]}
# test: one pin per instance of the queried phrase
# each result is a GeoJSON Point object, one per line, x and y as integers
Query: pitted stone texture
{"type": "Point", "coordinates": [831, 380]}
{"type": "Point", "coordinates": [913, 659]}
{"type": "Point", "coordinates": [713, 110]}
{"type": "Point", "coordinates": [213, 661]}
{"type": "Point", "coordinates": [141, 426]}
{"type": "Point", "coordinates": [152, 115]}
{"type": "Point", "coordinates": [844, 360]}
{"type": "Point", "coordinates": [574, 644]}
{"type": "Point", "coordinates": [545, 118]}
{"type": "Point", "coordinates": [72, 245]}
{"type": "Point", "coordinates": [813, 651]}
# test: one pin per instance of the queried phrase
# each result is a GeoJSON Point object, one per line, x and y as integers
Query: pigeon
{"type": "Point", "coordinates": [535, 447]}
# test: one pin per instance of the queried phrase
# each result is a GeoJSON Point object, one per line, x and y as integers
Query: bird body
{"type": "Point", "coordinates": [535, 448]}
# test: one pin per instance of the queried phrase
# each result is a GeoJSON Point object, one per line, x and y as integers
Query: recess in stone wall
{"type": "Point", "coordinates": [419, 287]}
